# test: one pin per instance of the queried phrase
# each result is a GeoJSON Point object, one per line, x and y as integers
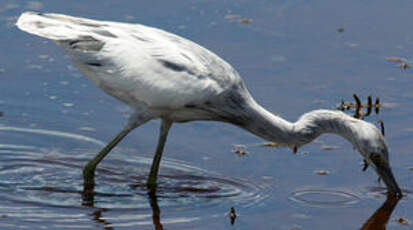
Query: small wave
{"type": "Point", "coordinates": [324, 197]}
{"type": "Point", "coordinates": [50, 178]}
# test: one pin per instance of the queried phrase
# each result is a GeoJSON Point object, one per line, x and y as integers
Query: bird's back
{"type": "Point", "coordinates": [141, 66]}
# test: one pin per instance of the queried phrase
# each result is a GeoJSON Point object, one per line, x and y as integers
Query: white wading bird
{"type": "Point", "coordinates": [162, 75]}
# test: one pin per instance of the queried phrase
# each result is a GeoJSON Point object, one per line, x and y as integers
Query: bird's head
{"type": "Point", "coordinates": [372, 146]}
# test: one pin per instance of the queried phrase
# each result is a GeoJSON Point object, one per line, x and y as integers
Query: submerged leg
{"type": "Point", "coordinates": [89, 169]}
{"type": "Point", "coordinates": [165, 126]}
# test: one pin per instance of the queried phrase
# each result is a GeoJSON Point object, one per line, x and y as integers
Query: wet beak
{"type": "Point", "coordinates": [385, 173]}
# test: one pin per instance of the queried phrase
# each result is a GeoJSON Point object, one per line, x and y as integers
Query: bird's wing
{"type": "Point", "coordinates": [134, 62]}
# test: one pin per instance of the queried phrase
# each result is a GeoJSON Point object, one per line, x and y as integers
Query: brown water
{"type": "Point", "coordinates": [294, 56]}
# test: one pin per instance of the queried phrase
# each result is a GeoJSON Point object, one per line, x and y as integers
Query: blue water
{"type": "Point", "coordinates": [294, 56]}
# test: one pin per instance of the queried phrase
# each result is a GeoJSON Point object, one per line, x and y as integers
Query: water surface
{"type": "Point", "coordinates": [294, 56]}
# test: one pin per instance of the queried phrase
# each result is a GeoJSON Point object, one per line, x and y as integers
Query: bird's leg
{"type": "Point", "coordinates": [153, 174]}
{"type": "Point", "coordinates": [89, 169]}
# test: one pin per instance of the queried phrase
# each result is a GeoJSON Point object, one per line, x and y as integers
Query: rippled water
{"type": "Point", "coordinates": [38, 176]}
{"type": "Point", "coordinates": [324, 197]}
{"type": "Point", "coordinates": [294, 56]}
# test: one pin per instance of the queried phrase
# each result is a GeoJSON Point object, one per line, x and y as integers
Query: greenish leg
{"type": "Point", "coordinates": [153, 174]}
{"type": "Point", "coordinates": [89, 169]}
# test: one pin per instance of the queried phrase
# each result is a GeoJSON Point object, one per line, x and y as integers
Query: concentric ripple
{"type": "Point", "coordinates": [45, 174]}
{"type": "Point", "coordinates": [325, 197]}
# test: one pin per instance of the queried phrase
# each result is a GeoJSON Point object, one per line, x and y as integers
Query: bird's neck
{"type": "Point", "coordinates": [310, 125]}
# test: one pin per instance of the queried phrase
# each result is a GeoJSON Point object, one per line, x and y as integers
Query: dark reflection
{"type": "Point", "coordinates": [379, 219]}
{"type": "Point", "coordinates": [88, 201]}
{"type": "Point", "coordinates": [156, 212]}
{"type": "Point", "coordinates": [97, 216]}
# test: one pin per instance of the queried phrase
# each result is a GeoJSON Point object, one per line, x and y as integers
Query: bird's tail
{"type": "Point", "coordinates": [55, 26]}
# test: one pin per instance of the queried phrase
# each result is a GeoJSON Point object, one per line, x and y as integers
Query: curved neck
{"type": "Point", "coordinates": [308, 127]}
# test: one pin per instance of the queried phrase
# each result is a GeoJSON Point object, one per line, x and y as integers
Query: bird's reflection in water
{"type": "Point", "coordinates": [156, 218]}
{"type": "Point", "coordinates": [379, 219]}
{"type": "Point", "coordinates": [97, 217]}
{"type": "Point", "coordinates": [88, 201]}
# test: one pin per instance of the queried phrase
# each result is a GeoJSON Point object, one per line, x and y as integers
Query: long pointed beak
{"type": "Point", "coordinates": [385, 173]}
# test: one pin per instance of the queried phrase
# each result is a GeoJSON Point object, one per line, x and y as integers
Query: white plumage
{"type": "Point", "coordinates": [162, 75]}
{"type": "Point", "coordinates": [140, 65]}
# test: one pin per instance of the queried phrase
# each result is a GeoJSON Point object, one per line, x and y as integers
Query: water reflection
{"type": "Point", "coordinates": [379, 219]}
{"type": "Point", "coordinates": [97, 216]}
{"type": "Point", "coordinates": [156, 212]}
{"type": "Point", "coordinates": [336, 198]}
{"type": "Point", "coordinates": [88, 200]}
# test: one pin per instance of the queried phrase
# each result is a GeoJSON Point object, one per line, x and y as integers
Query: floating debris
{"type": "Point", "coordinates": [321, 172]}
{"type": "Point", "coordinates": [358, 113]}
{"type": "Point", "coordinates": [232, 215]}
{"type": "Point", "coordinates": [340, 30]}
{"type": "Point", "coordinates": [369, 105]}
{"type": "Point", "coordinates": [271, 144]}
{"type": "Point", "coordinates": [410, 168]}
{"type": "Point", "coordinates": [376, 105]}
{"type": "Point", "coordinates": [358, 106]}
{"type": "Point", "coordinates": [236, 17]}
{"type": "Point", "coordinates": [404, 63]}
{"type": "Point", "coordinates": [397, 59]}
{"type": "Point", "coordinates": [246, 20]}
{"type": "Point", "coordinates": [403, 221]}
{"type": "Point", "coordinates": [404, 66]}
{"type": "Point", "coordinates": [1, 114]}
{"type": "Point", "coordinates": [329, 147]}
{"type": "Point", "coordinates": [240, 152]}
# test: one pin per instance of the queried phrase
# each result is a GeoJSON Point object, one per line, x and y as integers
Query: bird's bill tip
{"type": "Point", "coordinates": [386, 174]}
